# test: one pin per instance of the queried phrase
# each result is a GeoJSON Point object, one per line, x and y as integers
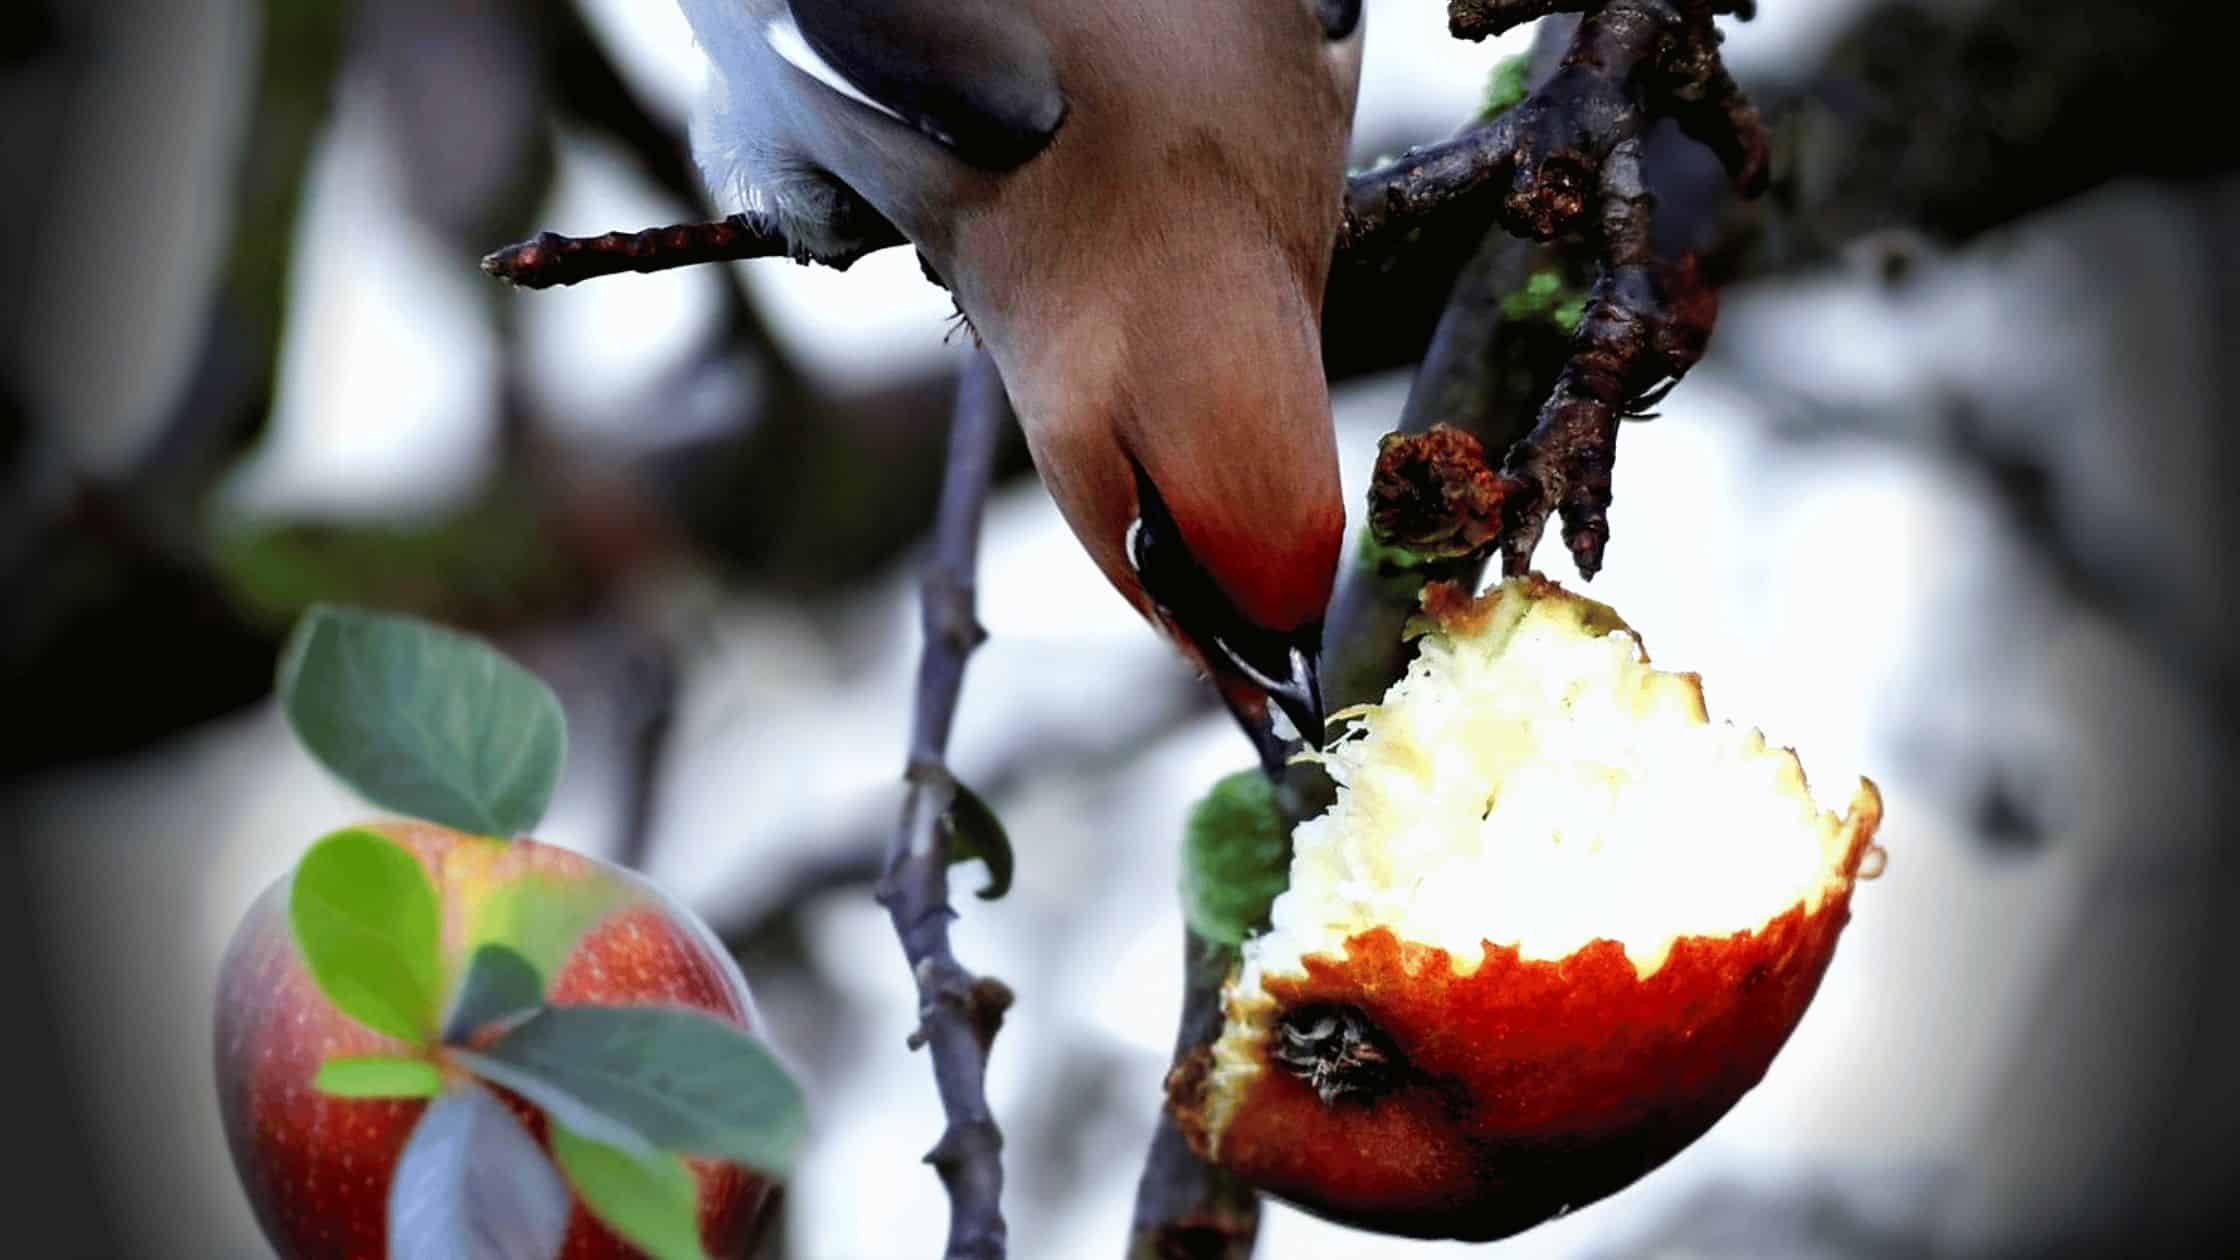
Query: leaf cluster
{"type": "Point", "coordinates": [442, 726]}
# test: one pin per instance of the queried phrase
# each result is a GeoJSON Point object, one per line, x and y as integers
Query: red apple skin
{"type": "Point", "coordinates": [317, 1169]}
{"type": "Point", "coordinates": [1532, 1087]}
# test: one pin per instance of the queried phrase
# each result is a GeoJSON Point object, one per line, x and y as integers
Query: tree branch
{"type": "Point", "coordinates": [1647, 321]}
{"type": "Point", "coordinates": [1578, 146]}
{"type": "Point", "coordinates": [1187, 1209]}
{"type": "Point", "coordinates": [958, 1013]}
{"type": "Point", "coordinates": [1532, 169]}
{"type": "Point", "coordinates": [651, 703]}
{"type": "Point", "coordinates": [1477, 19]}
{"type": "Point", "coordinates": [551, 260]}
{"type": "Point", "coordinates": [849, 854]}
{"type": "Point", "coordinates": [1483, 374]}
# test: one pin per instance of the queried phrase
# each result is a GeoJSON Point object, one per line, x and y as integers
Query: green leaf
{"type": "Point", "coordinates": [378, 1076]}
{"type": "Point", "coordinates": [365, 918]}
{"type": "Point", "coordinates": [1235, 860]}
{"type": "Point", "coordinates": [1505, 87]}
{"type": "Point", "coordinates": [976, 832]}
{"type": "Point", "coordinates": [500, 984]}
{"type": "Point", "coordinates": [652, 1201]}
{"type": "Point", "coordinates": [423, 720]}
{"type": "Point", "coordinates": [472, 1185]}
{"type": "Point", "coordinates": [652, 1078]}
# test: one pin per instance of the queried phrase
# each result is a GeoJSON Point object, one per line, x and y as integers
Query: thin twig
{"type": "Point", "coordinates": [1187, 1209]}
{"type": "Point", "coordinates": [1647, 322]}
{"type": "Point", "coordinates": [851, 854]}
{"type": "Point", "coordinates": [1478, 19]}
{"type": "Point", "coordinates": [550, 260]}
{"type": "Point", "coordinates": [1385, 208]}
{"type": "Point", "coordinates": [958, 1013]}
{"type": "Point", "coordinates": [651, 675]}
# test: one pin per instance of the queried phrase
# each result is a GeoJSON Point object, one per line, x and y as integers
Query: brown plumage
{"type": "Point", "coordinates": [1138, 222]}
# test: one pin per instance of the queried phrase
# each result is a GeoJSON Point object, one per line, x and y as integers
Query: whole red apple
{"type": "Point", "coordinates": [317, 1167]}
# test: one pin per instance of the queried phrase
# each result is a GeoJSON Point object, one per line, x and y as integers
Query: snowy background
{"type": "Point", "coordinates": [2026, 1037]}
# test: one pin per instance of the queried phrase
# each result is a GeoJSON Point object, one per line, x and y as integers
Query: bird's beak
{"type": "Point", "coordinates": [1300, 697]}
{"type": "Point", "coordinates": [1254, 698]}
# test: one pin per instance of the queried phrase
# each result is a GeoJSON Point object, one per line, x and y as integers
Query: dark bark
{"type": "Point", "coordinates": [551, 260]}
{"type": "Point", "coordinates": [1186, 1209]}
{"type": "Point", "coordinates": [958, 1012]}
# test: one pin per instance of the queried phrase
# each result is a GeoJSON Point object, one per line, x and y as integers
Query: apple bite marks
{"type": "Point", "coordinates": [1555, 924]}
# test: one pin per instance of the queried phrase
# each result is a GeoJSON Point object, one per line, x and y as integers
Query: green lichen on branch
{"type": "Point", "coordinates": [1546, 296]}
{"type": "Point", "coordinates": [1506, 86]}
{"type": "Point", "coordinates": [1383, 558]}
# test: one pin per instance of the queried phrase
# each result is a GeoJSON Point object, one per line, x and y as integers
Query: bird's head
{"type": "Point", "coordinates": [1150, 286]}
{"type": "Point", "coordinates": [1186, 438]}
{"type": "Point", "coordinates": [1134, 204]}
{"type": "Point", "coordinates": [1189, 447]}
{"type": "Point", "coordinates": [1248, 610]}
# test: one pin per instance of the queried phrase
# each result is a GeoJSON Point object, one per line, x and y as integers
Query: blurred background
{"type": "Point", "coordinates": [1948, 504]}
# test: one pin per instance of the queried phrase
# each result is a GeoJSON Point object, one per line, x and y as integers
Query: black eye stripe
{"type": "Point", "coordinates": [1339, 17]}
{"type": "Point", "coordinates": [1170, 574]}
{"type": "Point", "coordinates": [1180, 586]}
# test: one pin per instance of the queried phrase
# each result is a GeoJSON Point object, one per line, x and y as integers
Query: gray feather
{"type": "Point", "coordinates": [975, 75]}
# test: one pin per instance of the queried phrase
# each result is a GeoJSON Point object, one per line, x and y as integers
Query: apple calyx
{"type": "Point", "coordinates": [1336, 1052]}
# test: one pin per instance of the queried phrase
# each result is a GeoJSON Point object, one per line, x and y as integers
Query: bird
{"type": "Point", "coordinates": [1133, 204]}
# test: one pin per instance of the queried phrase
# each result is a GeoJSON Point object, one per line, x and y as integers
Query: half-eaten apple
{"type": "Point", "coordinates": [1555, 924]}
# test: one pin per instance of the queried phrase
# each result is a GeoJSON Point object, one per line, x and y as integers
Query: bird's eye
{"type": "Point", "coordinates": [1161, 559]}
{"type": "Point", "coordinates": [1339, 17]}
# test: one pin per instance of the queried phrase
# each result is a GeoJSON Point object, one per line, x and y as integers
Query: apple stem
{"type": "Point", "coordinates": [958, 1012]}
